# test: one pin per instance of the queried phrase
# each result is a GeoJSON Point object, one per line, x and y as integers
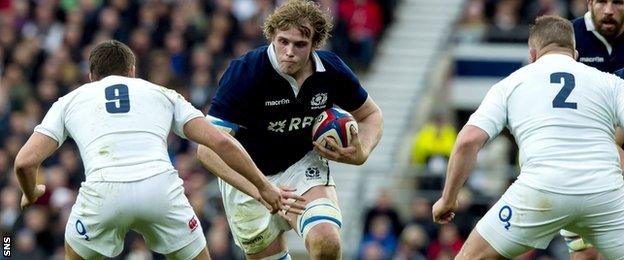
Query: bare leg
{"type": "Point", "coordinates": [70, 254]}
{"type": "Point", "coordinates": [476, 247]}
{"type": "Point", "coordinates": [203, 255]}
{"type": "Point", "coordinates": [277, 246]}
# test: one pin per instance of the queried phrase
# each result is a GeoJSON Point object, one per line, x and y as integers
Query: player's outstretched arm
{"type": "Point", "coordinates": [234, 156]}
{"type": "Point", "coordinates": [213, 163]}
{"type": "Point", "coordinates": [370, 124]}
{"type": "Point", "coordinates": [469, 141]}
{"type": "Point", "coordinates": [27, 162]}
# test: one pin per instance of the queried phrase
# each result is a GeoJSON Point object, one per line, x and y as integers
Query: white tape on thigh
{"type": "Point", "coordinates": [318, 211]}
{"type": "Point", "coordinates": [574, 241]}
{"type": "Point", "coordinates": [284, 255]}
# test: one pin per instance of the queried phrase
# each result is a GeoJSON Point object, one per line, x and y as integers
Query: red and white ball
{"type": "Point", "coordinates": [334, 123]}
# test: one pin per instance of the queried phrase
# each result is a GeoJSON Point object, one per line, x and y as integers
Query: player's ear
{"type": "Point", "coordinates": [532, 55]}
{"type": "Point", "coordinates": [132, 72]}
{"type": "Point", "coordinates": [90, 77]}
{"type": "Point", "coordinates": [576, 55]}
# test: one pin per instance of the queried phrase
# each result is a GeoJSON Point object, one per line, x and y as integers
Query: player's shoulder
{"type": "Point", "coordinates": [253, 59]}
{"type": "Point", "coordinates": [82, 90]}
{"type": "Point", "coordinates": [331, 61]}
{"type": "Point", "coordinates": [250, 65]}
{"type": "Point", "coordinates": [579, 24]}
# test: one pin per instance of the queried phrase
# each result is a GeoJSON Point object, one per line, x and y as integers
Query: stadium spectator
{"type": "Point", "coordinates": [364, 22]}
{"type": "Point", "coordinates": [421, 216]}
{"type": "Point", "coordinates": [448, 242]}
{"type": "Point", "coordinates": [380, 233]}
{"type": "Point", "coordinates": [472, 25]}
{"type": "Point", "coordinates": [431, 147]}
{"type": "Point", "coordinates": [384, 206]}
{"type": "Point", "coordinates": [507, 26]}
{"type": "Point", "coordinates": [412, 244]}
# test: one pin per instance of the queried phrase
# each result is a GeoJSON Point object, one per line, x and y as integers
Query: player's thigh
{"type": "Point", "coordinates": [603, 223]}
{"type": "Point", "coordinates": [525, 217]}
{"type": "Point", "coordinates": [99, 219]}
{"type": "Point", "coordinates": [70, 254]}
{"type": "Point", "coordinates": [476, 247]}
{"type": "Point", "coordinates": [165, 217]}
{"type": "Point", "coordinates": [276, 249]}
{"type": "Point", "coordinates": [253, 227]}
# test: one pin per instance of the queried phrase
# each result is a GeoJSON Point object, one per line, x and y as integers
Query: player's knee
{"type": "Point", "coordinates": [324, 242]}
{"type": "Point", "coordinates": [319, 211]}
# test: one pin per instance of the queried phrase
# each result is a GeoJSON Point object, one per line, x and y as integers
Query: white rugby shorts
{"type": "Point", "coordinates": [251, 224]}
{"type": "Point", "coordinates": [525, 216]}
{"type": "Point", "coordinates": [155, 207]}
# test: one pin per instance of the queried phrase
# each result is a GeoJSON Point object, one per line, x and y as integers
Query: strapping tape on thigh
{"type": "Point", "coordinates": [574, 241]}
{"type": "Point", "coordinates": [318, 211]}
{"type": "Point", "coordinates": [284, 255]}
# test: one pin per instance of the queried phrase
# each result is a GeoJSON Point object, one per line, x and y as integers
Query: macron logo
{"type": "Point", "coordinates": [280, 102]}
{"type": "Point", "coordinates": [592, 59]}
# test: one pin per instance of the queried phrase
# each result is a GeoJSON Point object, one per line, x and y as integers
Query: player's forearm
{"type": "Point", "coordinates": [460, 164]}
{"type": "Point", "coordinates": [238, 159]}
{"type": "Point", "coordinates": [370, 130]}
{"type": "Point", "coordinates": [213, 163]}
{"type": "Point", "coordinates": [228, 149]}
{"type": "Point", "coordinates": [26, 177]}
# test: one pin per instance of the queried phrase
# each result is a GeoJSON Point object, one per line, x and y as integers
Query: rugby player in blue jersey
{"type": "Point", "coordinates": [268, 99]}
{"type": "Point", "coordinates": [599, 37]}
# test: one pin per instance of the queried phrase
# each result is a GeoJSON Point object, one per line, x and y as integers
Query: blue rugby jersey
{"type": "Point", "coordinates": [274, 116]}
{"type": "Point", "coordinates": [594, 50]}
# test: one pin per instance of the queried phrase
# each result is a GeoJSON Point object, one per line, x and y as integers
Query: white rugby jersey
{"type": "Point", "coordinates": [120, 125]}
{"type": "Point", "coordinates": [563, 115]}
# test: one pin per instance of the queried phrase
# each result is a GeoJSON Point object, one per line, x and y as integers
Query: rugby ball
{"type": "Point", "coordinates": [334, 123]}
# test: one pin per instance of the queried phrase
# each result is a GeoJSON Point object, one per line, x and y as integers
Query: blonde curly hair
{"type": "Point", "coordinates": [300, 13]}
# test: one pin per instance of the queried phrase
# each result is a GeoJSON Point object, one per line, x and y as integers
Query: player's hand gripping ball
{"type": "Point", "coordinates": [334, 123]}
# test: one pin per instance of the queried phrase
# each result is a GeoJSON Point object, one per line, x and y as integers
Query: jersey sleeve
{"type": "Point", "coordinates": [231, 102]}
{"type": "Point", "coordinates": [52, 124]}
{"type": "Point", "coordinates": [491, 116]}
{"type": "Point", "coordinates": [350, 95]}
{"type": "Point", "coordinates": [183, 112]}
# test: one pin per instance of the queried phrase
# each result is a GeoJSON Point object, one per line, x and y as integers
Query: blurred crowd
{"type": "Point", "coordinates": [183, 45]}
{"type": "Point", "coordinates": [388, 234]}
{"type": "Point", "coordinates": [507, 21]}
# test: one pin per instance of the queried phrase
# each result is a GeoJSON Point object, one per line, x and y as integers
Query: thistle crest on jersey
{"type": "Point", "coordinates": [336, 124]}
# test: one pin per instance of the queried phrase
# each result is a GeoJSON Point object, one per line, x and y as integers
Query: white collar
{"type": "Point", "coordinates": [589, 24]}
{"type": "Point", "coordinates": [318, 64]}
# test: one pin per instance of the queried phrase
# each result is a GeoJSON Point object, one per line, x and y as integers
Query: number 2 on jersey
{"type": "Point", "coordinates": [564, 93]}
{"type": "Point", "coordinates": [118, 99]}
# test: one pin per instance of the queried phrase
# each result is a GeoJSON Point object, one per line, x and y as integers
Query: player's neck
{"type": "Point", "coordinates": [304, 73]}
{"type": "Point", "coordinates": [554, 50]}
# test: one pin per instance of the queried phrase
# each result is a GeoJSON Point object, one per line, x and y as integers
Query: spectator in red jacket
{"type": "Point", "coordinates": [364, 21]}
